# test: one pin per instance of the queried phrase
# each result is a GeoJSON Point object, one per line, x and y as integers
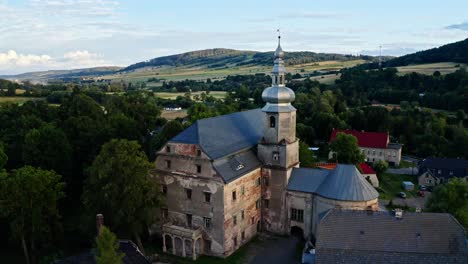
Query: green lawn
{"type": "Point", "coordinates": [18, 99]}
{"type": "Point", "coordinates": [406, 164]}
{"type": "Point", "coordinates": [390, 185]}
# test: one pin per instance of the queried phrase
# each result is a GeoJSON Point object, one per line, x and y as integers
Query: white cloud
{"type": "Point", "coordinates": [12, 58]}
{"type": "Point", "coordinates": [12, 62]}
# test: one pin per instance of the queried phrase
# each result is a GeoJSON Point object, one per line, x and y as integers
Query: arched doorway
{"type": "Point", "coordinates": [188, 248]}
{"type": "Point", "coordinates": [178, 246]}
{"type": "Point", "coordinates": [168, 241]}
{"type": "Point", "coordinates": [297, 232]}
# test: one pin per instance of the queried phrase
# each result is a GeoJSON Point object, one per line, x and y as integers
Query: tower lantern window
{"type": "Point", "coordinates": [272, 121]}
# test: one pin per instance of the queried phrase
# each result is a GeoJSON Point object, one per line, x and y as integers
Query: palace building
{"type": "Point", "coordinates": [226, 178]}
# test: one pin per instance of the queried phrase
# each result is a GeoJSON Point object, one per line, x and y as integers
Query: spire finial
{"type": "Point", "coordinates": [279, 36]}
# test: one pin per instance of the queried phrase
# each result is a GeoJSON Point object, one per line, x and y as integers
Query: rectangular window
{"type": "Point", "coordinates": [207, 197]}
{"type": "Point", "coordinates": [257, 204]}
{"type": "Point", "coordinates": [164, 213]}
{"type": "Point", "coordinates": [188, 192]}
{"type": "Point", "coordinates": [164, 189]}
{"type": "Point", "coordinates": [266, 181]}
{"type": "Point", "coordinates": [168, 164]}
{"type": "Point", "coordinates": [266, 203]}
{"type": "Point", "coordinates": [297, 215]}
{"type": "Point", "coordinates": [234, 195]}
{"type": "Point", "coordinates": [235, 241]}
{"type": "Point", "coordinates": [207, 222]}
{"type": "Point", "coordinates": [189, 220]}
{"type": "Point", "coordinates": [242, 190]}
{"type": "Point", "coordinates": [257, 182]}
{"type": "Point", "coordinates": [168, 149]}
{"type": "Point", "coordinates": [234, 219]}
{"type": "Point", "coordinates": [242, 214]}
{"type": "Point", "coordinates": [243, 235]}
{"type": "Point", "coordinates": [252, 220]}
{"type": "Point", "coordinates": [198, 168]}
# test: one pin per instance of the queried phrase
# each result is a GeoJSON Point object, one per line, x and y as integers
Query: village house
{"type": "Point", "coordinates": [226, 178]}
{"type": "Point", "coordinates": [374, 145]}
{"type": "Point", "coordinates": [367, 237]}
{"type": "Point", "coordinates": [433, 171]}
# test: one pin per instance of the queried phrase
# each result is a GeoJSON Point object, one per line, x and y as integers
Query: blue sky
{"type": "Point", "coordinates": [64, 34]}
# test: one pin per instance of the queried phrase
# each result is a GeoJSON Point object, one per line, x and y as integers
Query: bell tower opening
{"type": "Point", "coordinates": [272, 121]}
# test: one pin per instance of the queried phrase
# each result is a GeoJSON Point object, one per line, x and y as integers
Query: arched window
{"type": "Point", "coordinates": [281, 80]}
{"type": "Point", "coordinates": [272, 121]}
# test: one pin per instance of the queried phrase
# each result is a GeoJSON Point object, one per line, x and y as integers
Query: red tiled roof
{"type": "Point", "coordinates": [366, 169]}
{"type": "Point", "coordinates": [365, 139]}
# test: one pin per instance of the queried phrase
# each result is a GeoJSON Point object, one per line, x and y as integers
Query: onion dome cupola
{"type": "Point", "coordinates": [278, 97]}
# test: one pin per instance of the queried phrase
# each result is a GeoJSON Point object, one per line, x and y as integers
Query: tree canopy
{"type": "Point", "coordinates": [107, 247]}
{"type": "Point", "coordinates": [346, 149]}
{"type": "Point", "coordinates": [451, 198]}
{"type": "Point", "coordinates": [29, 200]}
{"type": "Point", "coordinates": [120, 186]}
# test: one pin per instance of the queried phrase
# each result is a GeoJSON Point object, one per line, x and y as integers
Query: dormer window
{"type": "Point", "coordinates": [168, 149]}
{"type": "Point", "coordinates": [275, 155]}
{"type": "Point", "coordinates": [272, 121]}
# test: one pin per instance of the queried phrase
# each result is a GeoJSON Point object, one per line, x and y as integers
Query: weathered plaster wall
{"type": "Point", "coordinates": [247, 202]}
{"type": "Point", "coordinates": [301, 201]}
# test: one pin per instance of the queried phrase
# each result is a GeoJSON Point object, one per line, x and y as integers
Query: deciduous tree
{"type": "Point", "coordinates": [107, 247]}
{"type": "Point", "coordinates": [346, 149]}
{"type": "Point", "coordinates": [119, 185]}
{"type": "Point", "coordinates": [29, 198]}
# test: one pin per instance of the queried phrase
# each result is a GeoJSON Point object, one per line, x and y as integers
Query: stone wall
{"type": "Point", "coordinates": [248, 193]}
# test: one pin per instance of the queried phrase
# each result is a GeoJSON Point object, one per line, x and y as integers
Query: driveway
{"type": "Point", "coordinates": [408, 171]}
{"type": "Point", "coordinates": [278, 249]}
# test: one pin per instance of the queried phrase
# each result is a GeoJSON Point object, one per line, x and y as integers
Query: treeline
{"type": "Point", "coordinates": [385, 86]}
{"type": "Point", "coordinates": [454, 52]}
{"type": "Point", "coordinates": [66, 139]}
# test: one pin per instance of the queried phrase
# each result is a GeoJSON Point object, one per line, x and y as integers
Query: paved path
{"type": "Point", "coordinates": [409, 171]}
{"type": "Point", "coordinates": [278, 250]}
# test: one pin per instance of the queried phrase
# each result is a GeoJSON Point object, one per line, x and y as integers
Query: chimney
{"type": "Point", "coordinates": [398, 213]}
{"type": "Point", "coordinates": [99, 222]}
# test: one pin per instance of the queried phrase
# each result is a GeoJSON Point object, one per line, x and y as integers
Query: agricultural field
{"type": "Point", "coordinates": [203, 73]}
{"type": "Point", "coordinates": [168, 95]}
{"type": "Point", "coordinates": [430, 68]}
{"type": "Point", "coordinates": [18, 99]}
{"type": "Point", "coordinates": [171, 115]}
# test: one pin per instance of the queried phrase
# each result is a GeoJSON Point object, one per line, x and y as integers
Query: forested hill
{"type": "Point", "coordinates": [213, 58]}
{"type": "Point", "coordinates": [453, 52]}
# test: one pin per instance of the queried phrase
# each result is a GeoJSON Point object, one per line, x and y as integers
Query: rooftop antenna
{"type": "Point", "coordinates": [380, 57]}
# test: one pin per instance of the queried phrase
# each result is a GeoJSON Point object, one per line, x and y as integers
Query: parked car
{"type": "Point", "coordinates": [402, 195]}
{"type": "Point", "coordinates": [430, 188]}
{"type": "Point", "coordinates": [422, 187]}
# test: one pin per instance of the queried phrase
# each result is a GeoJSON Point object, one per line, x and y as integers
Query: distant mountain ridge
{"type": "Point", "coordinates": [453, 52]}
{"type": "Point", "coordinates": [219, 57]}
{"type": "Point", "coordinates": [62, 74]}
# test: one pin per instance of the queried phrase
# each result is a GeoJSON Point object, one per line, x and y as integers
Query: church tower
{"type": "Point", "coordinates": [279, 147]}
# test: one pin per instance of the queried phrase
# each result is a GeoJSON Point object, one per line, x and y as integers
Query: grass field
{"type": "Point", "coordinates": [390, 185]}
{"type": "Point", "coordinates": [167, 95]}
{"type": "Point", "coordinates": [17, 99]}
{"type": "Point", "coordinates": [430, 68]}
{"type": "Point", "coordinates": [171, 115]}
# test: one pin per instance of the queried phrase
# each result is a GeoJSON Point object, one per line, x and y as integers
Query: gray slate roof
{"type": "Point", "coordinates": [344, 183]}
{"type": "Point", "coordinates": [347, 236]}
{"type": "Point", "coordinates": [234, 166]}
{"type": "Point", "coordinates": [224, 135]}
